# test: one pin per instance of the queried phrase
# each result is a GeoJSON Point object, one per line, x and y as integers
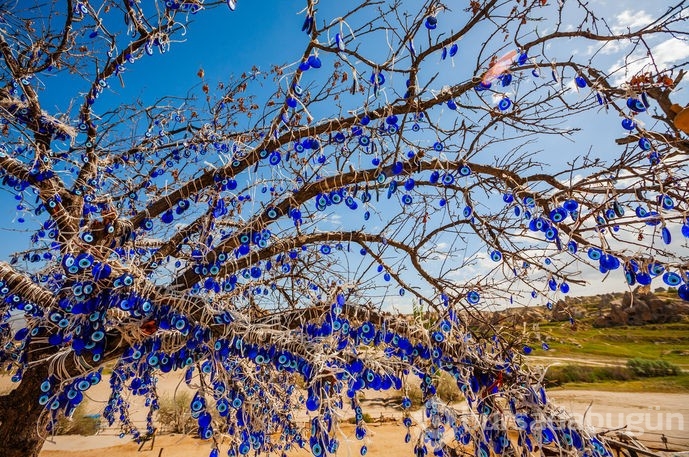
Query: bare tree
{"type": "Point", "coordinates": [252, 239]}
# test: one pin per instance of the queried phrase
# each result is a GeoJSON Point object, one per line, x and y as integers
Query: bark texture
{"type": "Point", "coordinates": [20, 415]}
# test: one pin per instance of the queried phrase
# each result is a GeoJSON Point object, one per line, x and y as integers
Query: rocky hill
{"type": "Point", "coordinates": [639, 307]}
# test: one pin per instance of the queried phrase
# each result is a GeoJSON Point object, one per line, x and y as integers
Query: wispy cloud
{"type": "Point", "coordinates": [631, 20]}
{"type": "Point", "coordinates": [665, 55]}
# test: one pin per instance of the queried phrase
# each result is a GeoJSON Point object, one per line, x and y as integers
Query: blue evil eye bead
{"type": "Point", "coordinates": [644, 144]}
{"type": "Point", "coordinates": [685, 229]}
{"type": "Point", "coordinates": [672, 279]}
{"type": "Point", "coordinates": [397, 168]}
{"type": "Point", "coordinates": [45, 386]}
{"type": "Point", "coordinates": [580, 81]}
{"type": "Point", "coordinates": [635, 105]}
{"type": "Point", "coordinates": [407, 199]}
{"type": "Point", "coordinates": [665, 234]}
{"type": "Point", "coordinates": [443, 54]}
{"type": "Point", "coordinates": [505, 79]}
{"type": "Point", "coordinates": [655, 269]}
{"type": "Point", "coordinates": [167, 217]}
{"type": "Point", "coordinates": [644, 279]}
{"type": "Point", "coordinates": [557, 215]}
{"type": "Point", "coordinates": [641, 212]}
{"type": "Point", "coordinates": [523, 57]}
{"type": "Point", "coordinates": [314, 62]}
{"type": "Point", "coordinates": [87, 237]}
{"type": "Point", "coordinates": [435, 176]}
{"type": "Point", "coordinates": [272, 213]}
{"type": "Point", "coordinates": [572, 247]}
{"type": "Point", "coordinates": [325, 249]}
{"type": "Point", "coordinates": [527, 350]}
{"type": "Point", "coordinates": [453, 49]}
{"type": "Point", "coordinates": [496, 256]}
{"type": "Point", "coordinates": [438, 146]}
{"type": "Point", "coordinates": [630, 276]}
{"type": "Point", "coordinates": [339, 42]}
{"type": "Point", "coordinates": [377, 78]}
{"type": "Point", "coordinates": [275, 158]}
{"type": "Point", "coordinates": [364, 140]}
{"type": "Point", "coordinates": [431, 22]}
{"type": "Point", "coordinates": [351, 203]}
{"type": "Point", "coordinates": [473, 297]}
{"type": "Point", "coordinates": [529, 202]}
{"type": "Point", "coordinates": [628, 124]}
{"type": "Point", "coordinates": [504, 104]}
{"type": "Point", "coordinates": [683, 292]}
{"type": "Point", "coordinates": [68, 260]}
{"type": "Point", "coordinates": [595, 253]}
{"type": "Point", "coordinates": [536, 73]}
{"type": "Point", "coordinates": [464, 170]}
{"type": "Point", "coordinates": [307, 26]}
{"type": "Point", "coordinates": [312, 402]}
{"type": "Point", "coordinates": [363, 450]}
{"type": "Point", "coordinates": [570, 205]}
{"type": "Point", "coordinates": [452, 104]}
{"type": "Point", "coordinates": [507, 198]}
{"type": "Point", "coordinates": [409, 184]}
{"type": "Point", "coordinates": [667, 202]}
{"type": "Point", "coordinates": [448, 179]}
{"type": "Point", "coordinates": [467, 212]}
{"type": "Point", "coordinates": [84, 260]}
{"type": "Point", "coordinates": [480, 87]}
{"type": "Point", "coordinates": [83, 385]}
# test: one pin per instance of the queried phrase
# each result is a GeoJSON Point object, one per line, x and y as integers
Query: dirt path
{"type": "Point", "coordinates": [544, 360]}
{"type": "Point", "coordinates": [648, 415]}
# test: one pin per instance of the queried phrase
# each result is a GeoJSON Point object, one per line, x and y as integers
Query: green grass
{"type": "Point", "coordinates": [669, 342]}
{"type": "Point", "coordinates": [672, 384]}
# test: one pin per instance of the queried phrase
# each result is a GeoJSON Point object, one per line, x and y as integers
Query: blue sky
{"type": "Point", "coordinates": [262, 33]}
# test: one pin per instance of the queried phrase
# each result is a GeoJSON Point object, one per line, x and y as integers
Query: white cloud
{"type": "Point", "coordinates": [670, 51]}
{"type": "Point", "coordinates": [629, 19]}
{"type": "Point", "coordinates": [335, 219]}
{"type": "Point", "coordinates": [665, 55]}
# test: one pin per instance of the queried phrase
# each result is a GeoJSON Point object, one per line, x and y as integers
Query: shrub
{"type": "Point", "coordinates": [647, 368]}
{"type": "Point", "coordinates": [562, 374]}
{"type": "Point", "coordinates": [446, 389]}
{"type": "Point", "coordinates": [79, 423]}
{"type": "Point", "coordinates": [173, 414]}
{"type": "Point", "coordinates": [366, 418]}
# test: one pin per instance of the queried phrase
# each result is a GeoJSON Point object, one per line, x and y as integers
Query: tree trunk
{"type": "Point", "coordinates": [21, 435]}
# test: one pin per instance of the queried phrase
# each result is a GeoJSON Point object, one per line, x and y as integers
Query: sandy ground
{"type": "Point", "coordinates": [385, 440]}
{"type": "Point", "coordinates": [648, 415]}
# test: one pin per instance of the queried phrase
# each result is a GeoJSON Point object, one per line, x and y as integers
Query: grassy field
{"type": "Point", "coordinates": [668, 342]}
{"type": "Point", "coordinates": [670, 384]}
{"type": "Point", "coordinates": [584, 357]}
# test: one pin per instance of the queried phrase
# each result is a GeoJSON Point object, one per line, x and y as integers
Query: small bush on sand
{"type": "Point", "coordinates": [562, 374]}
{"type": "Point", "coordinates": [79, 423]}
{"type": "Point", "coordinates": [647, 368]}
{"type": "Point", "coordinates": [173, 414]}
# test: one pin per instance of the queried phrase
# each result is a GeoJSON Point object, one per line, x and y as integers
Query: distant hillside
{"type": "Point", "coordinates": [639, 307]}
